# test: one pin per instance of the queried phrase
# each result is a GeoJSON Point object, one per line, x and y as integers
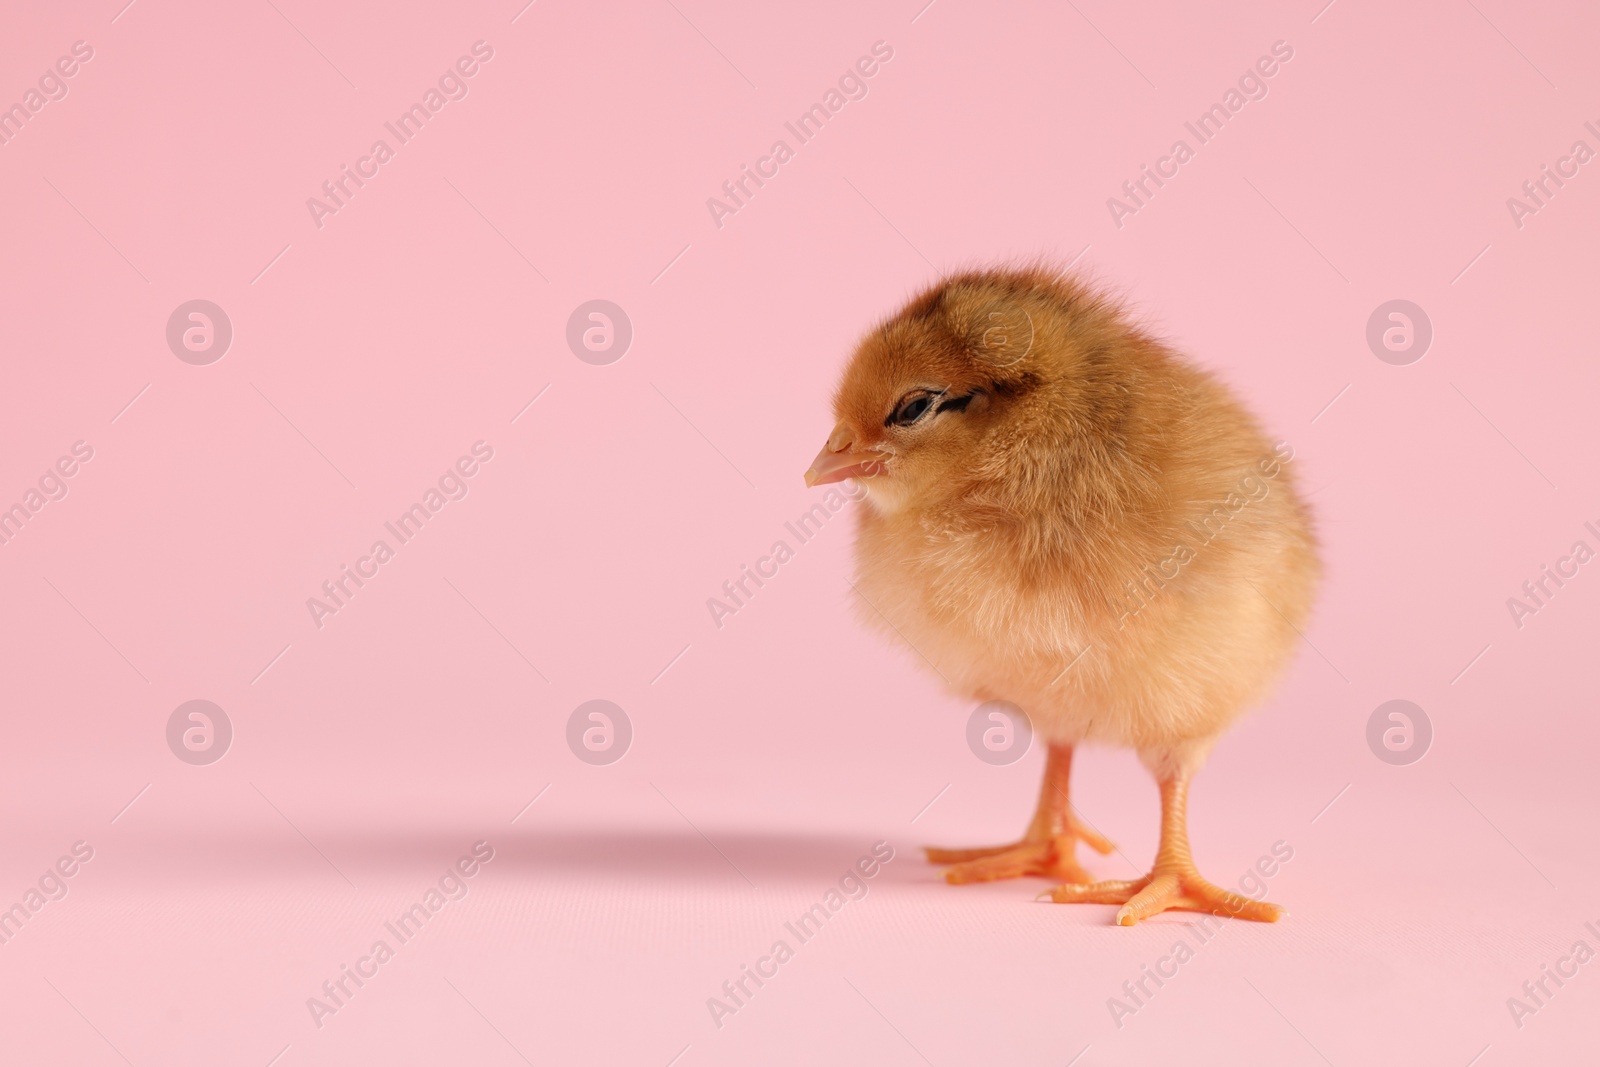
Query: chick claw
{"type": "Point", "coordinates": [1175, 889]}
{"type": "Point", "coordinates": [1048, 857]}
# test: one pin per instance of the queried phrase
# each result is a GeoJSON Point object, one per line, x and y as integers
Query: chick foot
{"type": "Point", "coordinates": [1181, 889]}
{"type": "Point", "coordinates": [1045, 851]}
{"type": "Point", "coordinates": [1174, 884]}
{"type": "Point", "coordinates": [1051, 857]}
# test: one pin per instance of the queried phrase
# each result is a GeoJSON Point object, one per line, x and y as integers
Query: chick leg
{"type": "Point", "coordinates": [1173, 883]}
{"type": "Point", "coordinates": [1046, 850]}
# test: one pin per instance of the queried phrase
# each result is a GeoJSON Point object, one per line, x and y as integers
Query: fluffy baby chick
{"type": "Point", "coordinates": [1061, 513]}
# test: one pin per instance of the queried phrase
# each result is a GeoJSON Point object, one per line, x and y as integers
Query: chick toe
{"type": "Point", "coordinates": [1113, 892]}
{"type": "Point", "coordinates": [1047, 859]}
{"type": "Point", "coordinates": [1170, 891]}
{"type": "Point", "coordinates": [1186, 890]}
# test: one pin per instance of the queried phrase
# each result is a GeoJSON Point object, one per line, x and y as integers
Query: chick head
{"type": "Point", "coordinates": [977, 360]}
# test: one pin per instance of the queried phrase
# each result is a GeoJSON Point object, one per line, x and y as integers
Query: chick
{"type": "Point", "coordinates": [1061, 513]}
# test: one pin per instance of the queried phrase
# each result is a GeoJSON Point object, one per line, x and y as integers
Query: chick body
{"type": "Point", "coordinates": [1099, 532]}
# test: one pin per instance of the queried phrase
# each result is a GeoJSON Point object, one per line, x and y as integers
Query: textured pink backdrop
{"type": "Point", "coordinates": [370, 352]}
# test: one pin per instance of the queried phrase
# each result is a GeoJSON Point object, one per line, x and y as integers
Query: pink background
{"type": "Point", "coordinates": [424, 316]}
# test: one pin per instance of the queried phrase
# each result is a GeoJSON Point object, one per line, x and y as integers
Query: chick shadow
{"type": "Point", "coordinates": [763, 859]}
{"type": "Point", "coordinates": [366, 858]}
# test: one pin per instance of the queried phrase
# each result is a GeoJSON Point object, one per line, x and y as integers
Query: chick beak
{"type": "Point", "coordinates": [839, 459]}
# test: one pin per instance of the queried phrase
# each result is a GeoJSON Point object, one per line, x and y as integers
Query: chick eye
{"type": "Point", "coordinates": [911, 410]}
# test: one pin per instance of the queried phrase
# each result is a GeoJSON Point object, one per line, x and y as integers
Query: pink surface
{"type": "Point", "coordinates": [369, 353]}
